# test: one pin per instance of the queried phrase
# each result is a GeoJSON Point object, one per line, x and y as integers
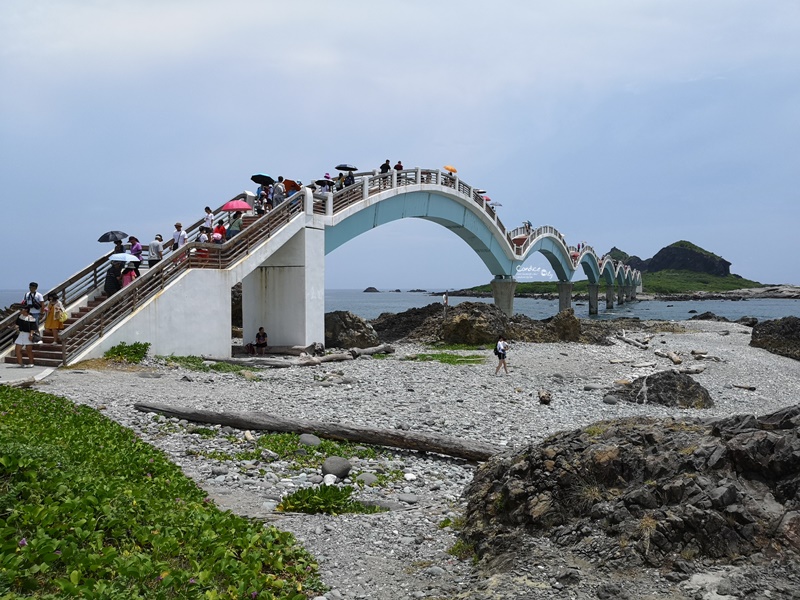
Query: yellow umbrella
{"type": "Point", "coordinates": [450, 168]}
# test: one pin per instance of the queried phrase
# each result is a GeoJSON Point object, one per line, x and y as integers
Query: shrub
{"type": "Point", "coordinates": [130, 353]}
{"type": "Point", "coordinates": [327, 499]}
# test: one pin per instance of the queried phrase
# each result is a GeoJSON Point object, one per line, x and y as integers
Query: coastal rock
{"type": "Point", "coordinates": [668, 388]}
{"type": "Point", "coordinates": [343, 329]}
{"type": "Point", "coordinates": [474, 323]}
{"type": "Point", "coordinates": [566, 326]}
{"type": "Point", "coordinates": [780, 336]}
{"type": "Point", "coordinates": [643, 490]}
{"type": "Point", "coordinates": [392, 327]}
{"type": "Point", "coordinates": [371, 290]}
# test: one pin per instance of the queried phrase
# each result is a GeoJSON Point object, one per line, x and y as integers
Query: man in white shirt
{"type": "Point", "coordinates": [155, 251]}
{"type": "Point", "coordinates": [178, 237]}
{"type": "Point", "coordinates": [34, 301]}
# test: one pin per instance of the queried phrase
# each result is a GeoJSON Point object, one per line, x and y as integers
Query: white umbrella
{"type": "Point", "coordinates": [124, 257]}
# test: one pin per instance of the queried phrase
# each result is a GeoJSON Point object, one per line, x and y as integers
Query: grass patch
{"type": "Point", "coordinates": [89, 510]}
{"type": "Point", "coordinates": [133, 353]}
{"type": "Point", "coordinates": [678, 282]}
{"type": "Point", "coordinates": [327, 499]}
{"type": "Point", "coordinates": [463, 550]}
{"type": "Point", "coordinates": [196, 363]}
{"type": "Point", "coordinates": [448, 358]}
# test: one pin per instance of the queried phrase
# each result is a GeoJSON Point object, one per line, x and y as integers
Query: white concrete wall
{"type": "Point", "coordinates": [191, 317]}
{"type": "Point", "coordinates": [286, 294]}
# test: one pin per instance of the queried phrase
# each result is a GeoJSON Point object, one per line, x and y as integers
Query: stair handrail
{"type": "Point", "coordinates": [93, 325]}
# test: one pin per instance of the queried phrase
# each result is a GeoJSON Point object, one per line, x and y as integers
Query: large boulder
{"type": "Point", "coordinates": [565, 326]}
{"type": "Point", "coordinates": [780, 336]}
{"type": "Point", "coordinates": [474, 323]}
{"type": "Point", "coordinates": [343, 329]}
{"type": "Point", "coordinates": [668, 388]}
{"type": "Point", "coordinates": [646, 491]}
{"type": "Point", "coordinates": [392, 327]}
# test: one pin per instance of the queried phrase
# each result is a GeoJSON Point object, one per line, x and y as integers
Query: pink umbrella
{"type": "Point", "coordinates": [236, 205]}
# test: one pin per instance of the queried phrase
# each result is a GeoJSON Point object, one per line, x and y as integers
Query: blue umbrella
{"type": "Point", "coordinates": [262, 179]}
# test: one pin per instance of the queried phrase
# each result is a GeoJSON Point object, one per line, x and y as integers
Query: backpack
{"type": "Point", "coordinates": [496, 353]}
{"type": "Point", "coordinates": [34, 303]}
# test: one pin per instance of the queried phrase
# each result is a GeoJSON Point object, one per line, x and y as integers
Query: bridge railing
{"type": "Point", "coordinates": [375, 183]}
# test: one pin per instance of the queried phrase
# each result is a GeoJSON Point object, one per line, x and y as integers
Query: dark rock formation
{"type": "Point", "coordinates": [780, 336]}
{"type": "Point", "coordinates": [684, 256]}
{"type": "Point", "coordinates": [482, 323]}
{"type": "Point", "coordinates": [236, 305]}
{"type": "Point", "coordinates": [372, 289]}
{"type": "Point", "coordinates": [392, 327]}
{"type": "Point", "coordinates": [668, 388]}
{"type": "Point", "coordinates": [637, 263]}
{"type": "Point", "coordinates": [708, 316]}
{"type": "Point", "coordinates": [644, 490]}
{"type": "Point", "coordinates": [343, 329]}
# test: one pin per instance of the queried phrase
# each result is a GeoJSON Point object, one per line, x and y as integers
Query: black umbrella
{"type": "Point", "coordinates": [328, 182]}
{"type": "Point", "coordinates": [262, 179]}
{"type": "Point", "coordinates": [345, 167]}
{"type": "Point", "coordinates": [112, 236]}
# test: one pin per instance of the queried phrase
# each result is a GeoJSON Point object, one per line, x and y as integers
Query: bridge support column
{"type": "Point", "coordinates": [628, 293]}
{"type": "Point", "coordinates": [609, 297]}
{"type": "Point", "coordinates": [564, 295]}
{"type": "Point", "coordinates": [593, 289]}
{"type": "Point", "coordinates": [503, 292]}
{"type": "Point", "coordinates": [620, 295]}
{"type": "Point", "coordinates": [286, 294]}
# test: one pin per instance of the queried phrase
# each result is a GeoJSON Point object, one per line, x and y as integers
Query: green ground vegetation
{"type": "Point", "coordinates": [660, 282]}
{"type": "Point", "coordinates": [89, 510]}
{"type": "Point", "coordinates": [131, 353]}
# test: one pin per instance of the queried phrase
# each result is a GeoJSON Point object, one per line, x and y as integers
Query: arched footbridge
{"type": "Point", "coordinates": [182, 305]}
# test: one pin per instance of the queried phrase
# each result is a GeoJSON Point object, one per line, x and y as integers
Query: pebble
{"type": "Point", "coordinates": [401, 553]}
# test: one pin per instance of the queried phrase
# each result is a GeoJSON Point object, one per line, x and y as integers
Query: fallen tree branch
{"type": "Point", "coordinates": [670, 355]}
{"type": "Point", "coordinates": [632, 342]}
{"type": "Point", "coordinates": [256, 420]}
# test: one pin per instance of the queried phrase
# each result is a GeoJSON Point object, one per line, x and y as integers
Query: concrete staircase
{"type": "Point", "coordinates": [48, 353]}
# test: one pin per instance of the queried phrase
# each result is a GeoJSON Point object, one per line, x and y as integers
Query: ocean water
{"type": "Point", "coordinates": [369, 305]}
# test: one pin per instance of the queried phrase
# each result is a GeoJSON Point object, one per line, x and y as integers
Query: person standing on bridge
{"type": "Point", "coordinates": [385, 168]}
{"type": "Point", "coordinates": [278, 192]}
{"type": "Point", "coordinates": [155, 251]}
{"type": "Point", "coordinates": [208, 219]}
{"type": "Point", "coordinates": [235, 225]}
{"type": "Point", "coordinates": [179, 237]}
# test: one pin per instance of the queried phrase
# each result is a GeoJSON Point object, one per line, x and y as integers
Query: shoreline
{"type": "Point", "coordinates": [774, 292]}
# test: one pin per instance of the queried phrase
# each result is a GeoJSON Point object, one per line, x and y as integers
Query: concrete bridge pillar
{"type": "Point", "coordinates": [593, 290]}
{"type": "Point", "coordinates": [564, 295]}
{"type": "Point", "coordinates": [286, 294]}
{"type": "Point", "coordinates": [620, 295]}
{"type": "Point", "coordinates": [503, 292]}
{"type": "Point", "coordinates": [628, 293]}
{"type": "Point", "coordinates": [609, 297]}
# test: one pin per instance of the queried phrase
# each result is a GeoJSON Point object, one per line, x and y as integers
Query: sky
{"type": "Point", "coordinates": [622, 123]}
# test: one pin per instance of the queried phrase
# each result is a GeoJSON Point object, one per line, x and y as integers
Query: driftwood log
{"type": "Point", "coordinates": [670, 355]}
{"type": "Point", "coordinates": [256, 420]}
{"type": "Point", "coordinates": [304, 361]}
{"type": "Point", "coordinates": [632, 342]}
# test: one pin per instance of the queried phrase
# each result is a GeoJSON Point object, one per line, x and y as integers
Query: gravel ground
{"type": "Point", "coordinates": [403, 553]}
